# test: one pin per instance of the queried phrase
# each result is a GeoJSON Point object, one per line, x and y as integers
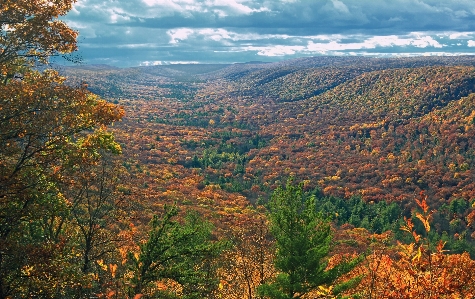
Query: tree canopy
{"type": "Point", "coordinates": [46, 129]}
{"type": "Point", "coordinates": [30, 29]}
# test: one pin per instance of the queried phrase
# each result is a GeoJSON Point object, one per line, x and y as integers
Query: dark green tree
{"type": "Point", "coordinates": [302, 240]}
{"type": "Point", "coordinates": [178, 252]}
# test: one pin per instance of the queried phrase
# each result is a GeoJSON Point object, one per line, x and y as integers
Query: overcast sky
{"type": "Point", "coordinates": [151, 32]}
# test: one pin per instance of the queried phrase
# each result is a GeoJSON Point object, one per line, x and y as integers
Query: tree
{"type": "Point", "coordinates": [31, 30]}
{"type": "Point", "coordinates": [249, 263]}
{"type": "Point", "coordinates": [420, 269]}
{"type": "Point", "coordinates": [176, 254]}
{"type": "Point", "coordinates": [95, 206]}
{"type": "Point", "coordinates": [302, 238]}
{"type": "Point", "coordinates": [43, 122]}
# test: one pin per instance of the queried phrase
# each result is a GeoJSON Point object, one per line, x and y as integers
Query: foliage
{"type": "Point", "coordinates": [31, 30]}
{"type": "Point", "coordinates": [221, 145]}
{"type": "Point", "coordinates": [249, 263]}
{"type": "Point", "coordinates": [176, 253]}
{"type": "Point", "coordinates": [421, 269]}
{"type": "Point", "coordinates": [44, 125]}
{"type": "Point", "coordinates": [302, 246]}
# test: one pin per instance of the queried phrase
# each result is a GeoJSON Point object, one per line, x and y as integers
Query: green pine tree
{"type": "Point", "coordinates": [179, 251]}
{"type": "Point", "coordinates": [302, 238]}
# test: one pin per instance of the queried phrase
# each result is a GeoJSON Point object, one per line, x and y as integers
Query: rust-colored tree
{"type": "Point", "coordinates": [249, 263]}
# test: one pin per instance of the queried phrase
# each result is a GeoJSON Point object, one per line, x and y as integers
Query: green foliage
{"type": "Point", "coordinates": [376, 217]}
{"type": "Point", "coordinates": [302, 238]}
{"type": "Point", "coordinates": [180, 252]}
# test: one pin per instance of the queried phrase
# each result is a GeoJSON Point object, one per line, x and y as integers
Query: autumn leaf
{"type": "Point", "coordinates": [113, 269]}
{"type": "Point", "coordinates": [424, 221]}
{"type": "Point", "coordinates": [440, 246]}
{"type": "Point", "coordinates": [422, 203]}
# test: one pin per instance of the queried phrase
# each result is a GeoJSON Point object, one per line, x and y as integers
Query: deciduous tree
{"type": "Point", "coordinates": [42, 123]}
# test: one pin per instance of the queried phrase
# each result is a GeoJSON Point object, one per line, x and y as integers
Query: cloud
{"type": "Point", "coordinates": [278, 50]}
{"type": "Point", "coordinates": [241, 30]}
{"type": "Point", "coordinates": [340, 7]}
{"type": "Point", "coordinates": [190, 8]}
{"type": "Point", "coordinates": [233, 7]}
{"type": "Point", "coordinates": [425, 41]}
{"type": "Point", "coordinates": [158, 62]}
{"type": "Point", "coordinates": [461, 35]}
{"type": "Point", "coordinates": [179, 34]}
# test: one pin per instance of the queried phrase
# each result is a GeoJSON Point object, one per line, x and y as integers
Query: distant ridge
{"type": "Point", "coordinates": [253, 62]}
{"type": "Point", "coordinates": [85, 67]}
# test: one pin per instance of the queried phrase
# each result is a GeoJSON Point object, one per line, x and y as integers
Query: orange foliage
{"type": "Point", "coordinates": [418, 269]}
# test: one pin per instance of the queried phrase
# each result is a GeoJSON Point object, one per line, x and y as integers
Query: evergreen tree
{"type": "Point", "coordinates": [181, 253]}
{"type": "Point", "coordinates": [302, 238]}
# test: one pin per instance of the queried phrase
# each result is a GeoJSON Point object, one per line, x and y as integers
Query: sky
{"type": "Point", "coordinates": [127, 33]}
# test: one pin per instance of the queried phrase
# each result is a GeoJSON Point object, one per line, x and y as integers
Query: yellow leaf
{"type": "Point", "coordinates": [418, 255]}
{"type": "Point", "coordinates": [102, 265]}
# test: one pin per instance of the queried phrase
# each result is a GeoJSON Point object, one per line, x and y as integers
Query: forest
{"type": "Point", "coordinates": [317, 177]}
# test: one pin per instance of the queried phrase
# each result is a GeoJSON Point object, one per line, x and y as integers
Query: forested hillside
{"type": "Point", "coordinates": [364, 135]}
{"type": "Point", "coordinates": [318, 177]}
{"type": "Point", "coordinates": [356, 129]}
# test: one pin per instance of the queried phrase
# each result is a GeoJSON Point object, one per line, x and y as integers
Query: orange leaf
{"type": "Point", "coordinates": [417, 237]}
{"type": "Point", "coordinates": [424, 221]}
{"type": "Point", "coordinates": [113, 268]}
{"type": "Point", "coordinates": [440, 246]}
{"type": "Point", "coordinates": [423, 202]}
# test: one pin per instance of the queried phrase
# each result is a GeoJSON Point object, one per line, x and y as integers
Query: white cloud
{"type": "Point", "coordinates": [174, 4]}
{"type": "Point", "coordinates": [179, 34]}
{"type": "Point", "coordinates": [137, 46]}
{"type": "Point", "coordinates": [426, 41]}
{"type": "Point", "coordinates": [221, 8]}
{"type": "Point", "coordinates": [215, 34]}
{"type": "Point", "coordinates": [117, 15]}
{"type": "Point", "coordinates": [239, 7]}
{"type": "Point", "coordinates": [325, 48]}
{"type": "Point", "coordinates": [151, 63]}
{"type": "Point", "coordinates": [233, 6]}
{"type": "Point", "coordinates": [160, 62]}
{"type": "Point", "coordinates": [372, 43]}
{"type": "Point", "coordinates": [386, 41]}
{"type": "Point", "coordinates": [278, 50]}
{"type": "Point", "coordinates": [161, 8]}
{"type": "Point", "coordinates": [460, 35]}
{"type": "Point", "coordinates": [340, 6]}
{"type": "Point", "coordinates": [223, 35]}
{"type": "Point", "coordinates": [471, 43]}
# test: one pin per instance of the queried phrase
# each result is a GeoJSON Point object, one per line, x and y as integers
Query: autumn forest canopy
{"type": "Point", "coordinates": [321, 177]}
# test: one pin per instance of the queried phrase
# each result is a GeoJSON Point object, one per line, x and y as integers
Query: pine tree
{"type": "Point", "coordinates": [181, 253]}
{"type": "Point", "coordinates": [302, 238]}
